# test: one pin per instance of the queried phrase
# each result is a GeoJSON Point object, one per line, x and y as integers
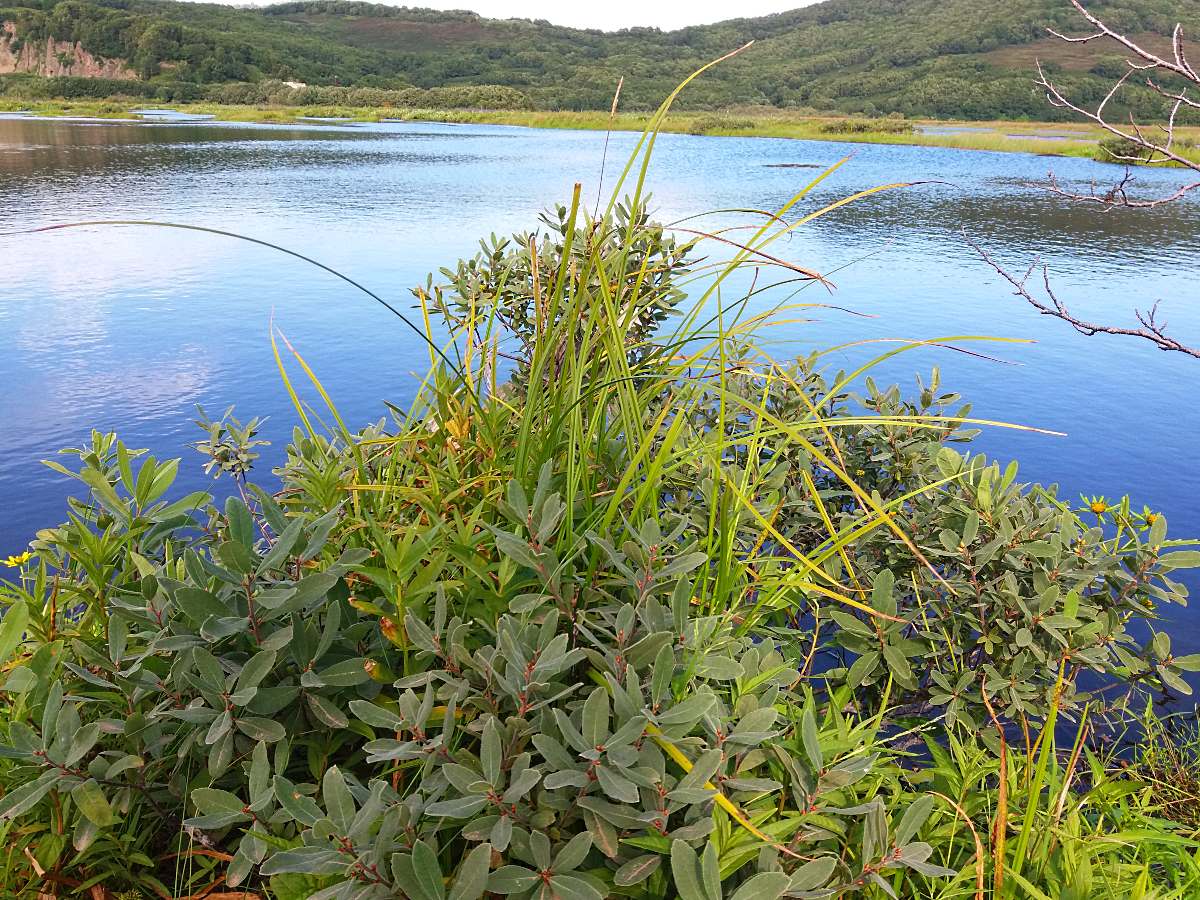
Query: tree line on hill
{"type": "Point", "coordinates": [945, 58]}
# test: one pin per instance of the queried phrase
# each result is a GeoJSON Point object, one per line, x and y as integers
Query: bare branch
{"type": "Point", "coordinates": [1117, 195]}
{"type": "Point", "coordinates": [1148, 148]}
{"type": "Point", "coordinates": [1178, 65]}
{"type": "Point", "coordinates": [1155, 144]}
{"type": "Point", "coordinates": [1151, 329]}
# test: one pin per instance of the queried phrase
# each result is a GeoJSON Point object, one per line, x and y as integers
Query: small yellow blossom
{"type": "Point", "coordinates": [19, 560]}
{"type": "Point", "coordinates": [1151, 518]}
{"type": "Point", "coordinates": [1099, 507]}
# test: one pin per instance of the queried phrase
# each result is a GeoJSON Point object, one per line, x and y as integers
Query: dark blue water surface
{"type": "Point", "coordinates": [128, 328]}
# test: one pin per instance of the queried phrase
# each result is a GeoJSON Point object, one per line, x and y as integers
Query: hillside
{"type": "Point", "coordinates": [957, 58]}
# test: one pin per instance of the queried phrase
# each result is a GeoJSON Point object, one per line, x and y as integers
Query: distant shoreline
{"type": "Point", "coordinates": [1040, 138]}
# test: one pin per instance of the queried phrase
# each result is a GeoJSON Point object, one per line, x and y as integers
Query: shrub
{"type": "Point", "coordinates": [887, 125]}
{"type": "Point", "coordinates": [1121, 150]}
{"type": "Point", "coordinates": [720, 124]}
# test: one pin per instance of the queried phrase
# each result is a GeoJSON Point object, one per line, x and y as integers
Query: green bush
{"type": "Point", "coordinates": [720, 124]}
{"type": "Point", "coordinates": [1123, 151]}
{"type": "Point", "coordinates": [867, 126]}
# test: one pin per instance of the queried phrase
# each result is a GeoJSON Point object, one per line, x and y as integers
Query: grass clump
{"type": "Point", "coordinates": [620, 605]}
{"type": "Point", "coordinates": [721, 124]}
{"type": "Point", "coordinates": [867, 126]}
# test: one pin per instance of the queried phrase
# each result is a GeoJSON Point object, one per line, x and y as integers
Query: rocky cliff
{"type": "Point", "coordinates": [51, 57]}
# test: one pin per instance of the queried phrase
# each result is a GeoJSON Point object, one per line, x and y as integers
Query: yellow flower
{"type": "Point", "coordinates": [19, 560]}
{"type": "Point", "coordinates": [1151, 518]}
{"type": "Point", "coordinates": [1099, 507]}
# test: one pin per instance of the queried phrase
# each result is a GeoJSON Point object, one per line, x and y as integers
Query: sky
{"type": "Point", "coordinates": [613, 14]}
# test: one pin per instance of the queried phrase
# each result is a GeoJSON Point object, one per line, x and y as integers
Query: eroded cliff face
{"type": "Point", "coordinates": [51, 57]}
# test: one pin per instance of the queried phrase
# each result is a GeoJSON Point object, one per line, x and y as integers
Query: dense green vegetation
{"type": "Point", "coordinates": [619, 606]}
{"type": "Point", "coordinates": [946, 58]}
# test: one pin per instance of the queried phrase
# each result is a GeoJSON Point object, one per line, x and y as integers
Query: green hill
{"type": "Point", "coordinates": [960, 58]}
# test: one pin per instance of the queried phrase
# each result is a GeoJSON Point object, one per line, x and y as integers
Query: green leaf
{"type": "Point", "coordinates": [299, 806]}
{"type": "Point", "coordinates": [347, 673]}
{"type": "Point", "coordinates": [212, 801]}
{"type": "Point", "coordinates": [616, 785]}
{"type": "Point", "coordinates": [862, 669]}
{"type": "Point", "coordinates": [813, 875]}
{"type": "Point", "coordinates": [685, 868]}
{"type": "Point", "coordinates": [325, 712]}
{"type": "Point", "coordinates": [472, 877]}
{"type": "Point", "coordinates": [595, 717]}
{"type": "Point", "coordinates": [882, 592]}
{"type": "Point", "coordinates": [198, 604]}
{"type": "Point", "coordinates": [458, 808]}
{"type": "Point", "coordinates": [339, 802]}
{"type": "Point", "coordinates": [812, 743]}
{"type": "Point", "coordinates": [521, 785]}
{"type": "Point", "coordinates": [1181, 559]}
{"type": "Point", "coordinates": [20, 680]}
{"type": "Point", "coordinates": [490, 754]}
{"type": "Point", "coordinates": [511, 880]}
{"type": "Point", "coordinates": [84, 740]}
{"type": "Point", "coordinates": [572, 887]}
{"type": "Point", "coordinates": [637, 869]}
{"type": "Point", "coordinates": [22, 799]}
{"type": "Point", "coordinates": [516, 549]}
{"type": "Point", "coordinates": [307, 860]}
{"type": "Point", "coordinates": [914, 817]}
{"type": "Point", "coordinates": [241, 523]}
{"type": "Point", "coordinates": [710, 871]}
{"type": "Point", "coordinates": [258, 728]}
{"type": "Point", "coordinates": [256, 669]}
{"type": "Point", "coordinates": [259, 782]}
{"type": "Point", "coordinates": [12, 629]}
{"type": "Point", "coordinates": [92, 803]}
{"type": "Point", "coordinates": [277, 556]}
{"type": "Point", "coordinates": [236, 557]}
{"type": "Point", "coordinates": [427, 871]}
{"type": "Point", "coordinates": [764, 886]}
{"type": "Point", "coordinates": [689, 712]}
{"type": "Point", "coordinates": [571, 856]}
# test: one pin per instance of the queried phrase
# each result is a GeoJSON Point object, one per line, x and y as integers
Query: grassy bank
{"type": "Point", "coordinates": [1012, 137]}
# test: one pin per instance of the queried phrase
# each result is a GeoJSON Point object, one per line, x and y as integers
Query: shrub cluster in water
{"type": "Point", "coordinates": [650, 616]}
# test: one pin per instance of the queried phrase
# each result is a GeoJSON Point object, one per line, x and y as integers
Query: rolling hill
{"type": "Point", "coordinates": [960, 58]}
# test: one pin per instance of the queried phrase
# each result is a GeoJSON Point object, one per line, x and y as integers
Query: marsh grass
{"type": "Point", "coordinates": [1164, 755]}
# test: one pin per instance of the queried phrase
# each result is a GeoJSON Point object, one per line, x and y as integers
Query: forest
{"type": "Point", "coordinates": [866, 57]}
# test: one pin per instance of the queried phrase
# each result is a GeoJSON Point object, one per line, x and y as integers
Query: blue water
{"type": "Point", "coordinates": [128, 328]}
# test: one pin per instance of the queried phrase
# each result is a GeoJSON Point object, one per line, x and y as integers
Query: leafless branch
{"type": "Point", "coordinates": [1140, 144]}
{"type": "Point", "coordinates": [1156, 145]}
{"type": "Point", "coordinates": [1117, 195]}
{"type": "Point", "coordinates": [1151, 328]}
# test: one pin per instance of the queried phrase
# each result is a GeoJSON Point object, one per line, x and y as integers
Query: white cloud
{"type": "Point", "coordinates": [614, 14]}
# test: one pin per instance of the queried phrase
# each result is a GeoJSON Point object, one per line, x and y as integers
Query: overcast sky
{"type": "Point", "coordinates": [613, 14]}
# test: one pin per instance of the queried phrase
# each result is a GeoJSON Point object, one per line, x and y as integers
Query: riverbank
{"type": "Point", "coordinates": [1049, 139]}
